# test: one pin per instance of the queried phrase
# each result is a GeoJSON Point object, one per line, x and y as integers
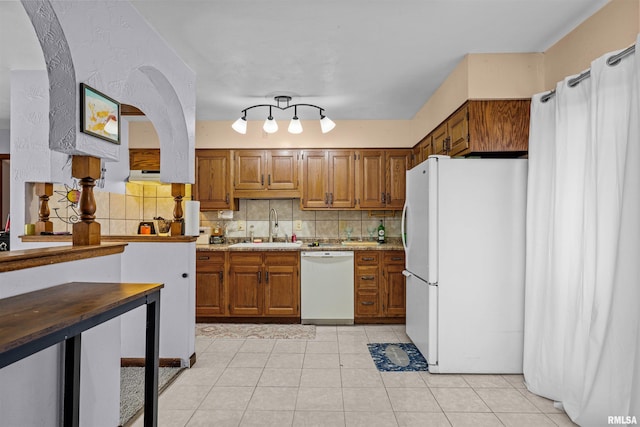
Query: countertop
{"type": "Point", "coordinates": [324, 246]}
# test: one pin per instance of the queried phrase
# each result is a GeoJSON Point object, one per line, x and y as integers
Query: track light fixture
{"type": "Point", "coordinates": [270, 125]}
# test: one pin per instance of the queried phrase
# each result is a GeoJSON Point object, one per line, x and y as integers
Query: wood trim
{"type": "Point", "coordinates": [29, 258]}
{"type": "Point", "coordinates": [138, 362]}
{"type": "Point", "coordinates": [379, 320]}
{"type": "Point", "coordinates": [146, 238]}
{"type": "Point", "coordinates": [130, 110]}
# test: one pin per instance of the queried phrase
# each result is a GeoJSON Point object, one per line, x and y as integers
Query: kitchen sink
{"type": "Point", "coordinates": [265, 245]}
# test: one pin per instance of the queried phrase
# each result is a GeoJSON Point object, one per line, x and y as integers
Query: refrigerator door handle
{"type": "Point", "coordinates": [406, 273]}
{"type": "Point", "coordinates": [403, 233]}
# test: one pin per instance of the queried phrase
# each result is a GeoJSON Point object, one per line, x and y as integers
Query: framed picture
{"type": "Point", "coordinates": [99, 114]}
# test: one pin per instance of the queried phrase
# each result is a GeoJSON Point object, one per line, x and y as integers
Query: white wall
{"type": "Point", "coordinates": [30, 392]}
{"type": "Point", "coordinates": [109, 46]}
{"type": "Point", "coordinates": [162, 263]}
{"type": "Point", "coordinates": [4, 141]}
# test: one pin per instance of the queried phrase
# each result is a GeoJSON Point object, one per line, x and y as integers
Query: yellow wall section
{"type": "Point", "coordinates": [613, 27]}
{"type": "Point", "coordinates": [477, 76]}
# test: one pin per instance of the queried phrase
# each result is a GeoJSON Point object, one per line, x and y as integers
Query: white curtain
{"type": "Point", "coordinates": [582, 303]}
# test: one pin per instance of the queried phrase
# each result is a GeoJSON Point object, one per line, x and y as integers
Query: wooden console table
{"type": "Point", "coordinates": [36, 320]}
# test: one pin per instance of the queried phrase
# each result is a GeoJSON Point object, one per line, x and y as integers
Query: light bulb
{"type": "Point", "coordinates": [240, 125]}
{"type": "Point", "coordinates": [270, 125]}
{"type": "Point", "coordinates": [326, 124]}
{"type": "Point", "coordinates": [295, 126]}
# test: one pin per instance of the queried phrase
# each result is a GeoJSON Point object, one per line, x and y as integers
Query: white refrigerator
{"type": "Point", "coordinates": [463, 228]}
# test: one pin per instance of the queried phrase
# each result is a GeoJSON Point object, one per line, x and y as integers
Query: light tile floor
{"type": "Point", "coordinates": [332, 381]}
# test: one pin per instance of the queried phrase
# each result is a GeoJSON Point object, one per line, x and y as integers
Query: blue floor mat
{"type": "Point", "coordinates": [397, 357]}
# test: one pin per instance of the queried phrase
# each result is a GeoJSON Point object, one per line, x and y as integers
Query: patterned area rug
{"type": "Point", "coordinates": [132, 389]}
{"type": "Point", "coordinates": [397, 357]}
{"type": "Point", "coordinates": [270, 331]}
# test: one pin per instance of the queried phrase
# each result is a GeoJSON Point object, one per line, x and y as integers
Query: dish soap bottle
{"type": "Point", "coordinates": [381, 232]}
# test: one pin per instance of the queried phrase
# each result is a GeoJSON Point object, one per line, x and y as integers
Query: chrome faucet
{"type": "Point", "coordinates": [275, 214]}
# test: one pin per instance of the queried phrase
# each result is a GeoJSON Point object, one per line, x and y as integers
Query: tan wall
{"type": "Point", "coordinates": [613, 27]}
{"type": "Point", "coordinates": [505, 75]}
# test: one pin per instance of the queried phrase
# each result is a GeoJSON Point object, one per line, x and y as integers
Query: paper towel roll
{"type": "Point", "coordinates": [192, 218]}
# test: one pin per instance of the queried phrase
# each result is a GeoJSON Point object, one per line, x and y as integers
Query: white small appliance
{"type": "Point", "coordinates": [463, 228]}
{"type": "Point", "coordinates": [326, 290]}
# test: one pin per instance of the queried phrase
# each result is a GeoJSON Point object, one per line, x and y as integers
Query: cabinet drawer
{"type": "Point", "coordinates": [366, 277]}
{"type": "Point", "coordinates": [281, 258]}
{"type": "Point", "coordinates": [394, 257]}
{"type": "Point", "coordinates": [367, 304]}
{"type": "Point", "coordinates": [204, 258]}
{"type": "Point", "coordinates": [246, 258]}
{"type": "Point", "coordinates": [367, 258]}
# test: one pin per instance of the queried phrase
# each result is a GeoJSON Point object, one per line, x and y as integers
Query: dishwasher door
{"type": "Point", "coordinates": [326, 289]}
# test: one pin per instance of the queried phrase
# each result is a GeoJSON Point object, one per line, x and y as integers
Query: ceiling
{"type": "Point", "coordinates": [358, 59]}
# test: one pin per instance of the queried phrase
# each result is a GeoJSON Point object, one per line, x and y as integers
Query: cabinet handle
{"type": "Point", "coordinates": [259, 276]}
{"type": "Point", "coordinates": [226, 199]}
{"type": "Point", "coordinates": [266, 277]}
{"type": "Point", "coordinates": [368, 278]}
{"type": "Point", "coordinates": [221, 276]}
{"type": "Point", "coordinates": [262, 179]}
{"type": "Point", "coordinates": [326, 198]}
{"type": "Point", "coordinates": [383, 198]}
{"type": "Point", "coordinates": [396, 258]}
{"type": "Point", "coordinates": [269, 179]}
{"type": "Point", "coordinates": [203, 257]}
{"type": "Point", "coordinates": [331, 199]}
{"type": "Point", "coordinates": [367, 258]}
{"type": "Point", "coordinates": [388, 197]}
{"type": "Point", "coordinates": [367, 303]}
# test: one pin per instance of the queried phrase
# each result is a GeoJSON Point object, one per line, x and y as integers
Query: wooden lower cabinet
{"type": "Point", "coordinates": [264, 284]}
{"type": "Point", "coordinates": [379, 286]}
{"type": "Point", "coordinates": [211, 298]}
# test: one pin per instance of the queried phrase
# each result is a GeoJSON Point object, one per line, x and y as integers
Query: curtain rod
{"type": "Point", "coordinates": [612, 60]}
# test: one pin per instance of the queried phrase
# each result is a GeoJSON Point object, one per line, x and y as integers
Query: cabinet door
{"type": "Point", "coordinates": [245, 290]}
{"type": "Point", "coordinates": [426, 148]}
{"type": "Point", "coordinates": [282, 170]}
{"type": "Point", "coordinates": [213, 179]}
{"type": "Point", "coordinates": [249, 171]}
{"type": "Point", "coordinates": [371, 176]}
{"type": "Point", "coordinates": [315, 190]}
{"type": "Point", "coordinates": [394, 293]}
{"type": "Point", "coordinates": [439, 139]}
{"type": "Point", "coordinates": [210, 299]}
{"type": "Point", "coordinates": [458, 125]}
{"type": "Point", "coordinates": [282, 290]}
{"type": "Point", "coordinates": [144, 159]}
{"type": "Point", "coordinates": [397, 165]}
{"type": "Point", "coordinates": [341, 179]}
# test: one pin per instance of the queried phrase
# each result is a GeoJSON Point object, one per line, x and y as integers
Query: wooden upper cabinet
{"type": "Point", "coordinates": [282, 169]}
{"type": "Point", "coordinates": [249, 170]}
{"type": "Point", "coordinates": [397, 164]}
{"type": "Point", "coordinates": [328, 179]}
{"type": "Point", "coordinates": [266, 173]}
{"type": "Point", "coordinates": [315, 179]}
{"type": "Point", "coordinates": [426, 149]}
{"type": "Point", "coordinates": [144, 159]}
{"type": "Point", "coordinates": [381, 178]}
{"type": "Point", "coordinates": [341, 179]}
{"type": "Point", "coordinates": [213, 180]}
{"type": "Point", "coordinates": [458, 127]}
{"type": "Point", "coordinates": [483, 128]}
{"type": "Point", "coordinates": [439, 138]}
{"type": "Point", "coordinates": [371, 179]}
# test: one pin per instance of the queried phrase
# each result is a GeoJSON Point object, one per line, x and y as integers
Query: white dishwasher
{"type": "Point", "coordinates": [326, 287]}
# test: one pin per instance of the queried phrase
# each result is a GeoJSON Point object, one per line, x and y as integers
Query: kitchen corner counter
{"type": "Point", "coordinates": [329, 246]}
{"type": "Point", "coordinates": [138, 238]}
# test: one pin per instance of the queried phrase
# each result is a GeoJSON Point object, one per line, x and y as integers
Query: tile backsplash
{"type": "Point", "coordinates": [120, 214]}
{"type": "Point", "coordinates": [313, 224]}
